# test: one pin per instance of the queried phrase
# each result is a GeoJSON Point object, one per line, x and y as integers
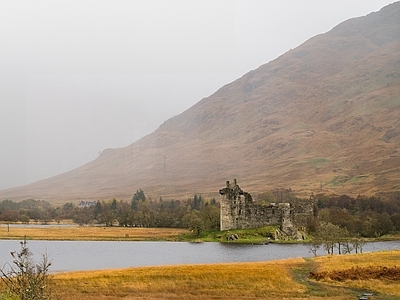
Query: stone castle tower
{"type": "Point", "coordinates": [233, 206]}
{"type": "Point", "coordinates": [238, 211]}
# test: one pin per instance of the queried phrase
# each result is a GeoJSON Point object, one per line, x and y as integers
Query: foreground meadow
{"type": "Point", "coordinates": [90, 233]}
{"type": "Point", "coordinates": [287, 279]}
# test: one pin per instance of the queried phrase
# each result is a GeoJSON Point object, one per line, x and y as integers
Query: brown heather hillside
{"type": "Point", "coordinates": [327, 112]}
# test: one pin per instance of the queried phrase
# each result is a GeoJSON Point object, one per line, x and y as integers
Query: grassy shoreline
{"type": "Point", "coordinates": [100, 233]}
{"type": "Point", "coordinates": [90, 233]}
{"type": "Point", "coordinates": [71, 232]}
{"type": "Point", "coordinates": [281, 279]}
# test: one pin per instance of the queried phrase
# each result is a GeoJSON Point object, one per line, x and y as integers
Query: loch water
{"type": "Point", "coordinates": [96, 255]}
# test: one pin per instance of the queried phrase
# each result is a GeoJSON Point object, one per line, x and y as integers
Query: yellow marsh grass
{"type": "Point", "coordinates": [265, 280]}
{"type": "Point", "coordinates": [262, 280]}
{"type": "Point", "coordinates": [89, 233]}
{"type": "Point", "coordinates": [343, 262]}
{"type": "Point", "coordinates": [365, 260]}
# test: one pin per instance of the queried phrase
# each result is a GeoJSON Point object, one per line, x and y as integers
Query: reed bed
{"type": "Point", "coordinates": [89, 233]}
{"type": "Point", "coordinates": [373, 259]}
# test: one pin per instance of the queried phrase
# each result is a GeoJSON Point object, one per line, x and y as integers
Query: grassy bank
{"type": "Point", "coordinates": [90, 233]}
{"type": "Point", "coordinates": [98, 233]}
{"type": "Point", "coordinates": [244, 236]}
{"type": "Point", "coordinates": [288, 279]}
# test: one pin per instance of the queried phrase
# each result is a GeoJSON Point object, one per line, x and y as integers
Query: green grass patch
{"type": "Point", "coordinates": [339, 180]}
{"type": "Point", "coordinates": [391, 101]}
{"type": "Point", "coordinates": [356, 179]}
{"type": "Point", "coordinates": [245, 236]}
{"type": "Point", "coordinates": [344, 179]}
{"type": "Point", "coordinates": [318, 161]}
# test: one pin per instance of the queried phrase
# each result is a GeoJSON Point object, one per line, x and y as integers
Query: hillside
{"type": "Point", "coordinates": [325, 114]}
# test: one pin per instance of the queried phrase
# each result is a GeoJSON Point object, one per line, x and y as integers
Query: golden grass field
{"type": "Point", "coordinates": [286, 279]}
{"type": "Point", "coordinates": [220, 281]}
{"type": "Point", "coordinates": [89, 233]}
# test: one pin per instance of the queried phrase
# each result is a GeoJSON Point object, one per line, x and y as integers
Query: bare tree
{"type": "Point", "coordinates": [314, 245]}
{"type": "Point", "coordinates": [358, 243]}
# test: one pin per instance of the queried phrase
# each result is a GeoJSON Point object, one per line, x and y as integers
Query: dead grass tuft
{"type": "Point", "coordinates": [378, 271]}
{"type": "Point", "coordinates": [360, 273]}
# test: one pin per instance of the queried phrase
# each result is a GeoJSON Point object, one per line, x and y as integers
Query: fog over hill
{"type": "Point", "coordinates": [324, 116]}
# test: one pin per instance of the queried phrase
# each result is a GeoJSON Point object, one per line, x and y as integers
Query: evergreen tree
{"type": "Point", "coordinates": [139, 196]}
{"type": "Point", "coordinates": [114, 205]}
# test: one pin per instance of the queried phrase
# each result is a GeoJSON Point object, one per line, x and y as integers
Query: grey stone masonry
{"type": "Point", "coordinates": [238, 211]}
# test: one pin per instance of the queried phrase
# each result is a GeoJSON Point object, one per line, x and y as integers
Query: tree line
{"type": "Point", "coordinates": [357, 216]}
{"type": "Point", "coordinates": [343, 222]}
{"type": "Point", "coordinates": [195, 213]}
{"type": "Point", "coordinates": [367, 216]}
{"type": "Point", "coordinates": [27, 211]}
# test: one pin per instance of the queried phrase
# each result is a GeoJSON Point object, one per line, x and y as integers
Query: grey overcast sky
{"type": "Point", "coordinates": [80, 76]}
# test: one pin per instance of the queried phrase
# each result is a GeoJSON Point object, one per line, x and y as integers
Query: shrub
{"type": "Point", "coordinates": [25, 279]}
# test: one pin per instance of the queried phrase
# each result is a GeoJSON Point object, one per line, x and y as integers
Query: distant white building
{"type": "Point", "coordinates": [85, 204]}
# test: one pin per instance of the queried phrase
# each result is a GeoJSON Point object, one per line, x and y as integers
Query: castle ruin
{"type": "Point", "coordinates": [238, 211]}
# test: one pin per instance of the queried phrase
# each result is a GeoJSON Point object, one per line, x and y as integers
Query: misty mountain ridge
{"type": "Point", "coordinates": [323, 117]}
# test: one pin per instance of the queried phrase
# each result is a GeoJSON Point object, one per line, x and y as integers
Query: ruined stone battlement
{"type": "Point", "coordinates": [238, 211]}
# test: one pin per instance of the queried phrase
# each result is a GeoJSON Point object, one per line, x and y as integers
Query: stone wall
{"type": "Point", "coordinates": [238, 211]}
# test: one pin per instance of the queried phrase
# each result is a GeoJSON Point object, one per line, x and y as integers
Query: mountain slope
{"type": "Point", "coordinates": [326, 114]}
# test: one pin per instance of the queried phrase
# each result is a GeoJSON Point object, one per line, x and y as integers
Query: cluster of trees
{"type": "Point", "coordinates": [278, 195]}
{"type": "Point", "coordinates": [330, 237]}
{"type": "Point", "coordinates": [343, 221]}
{"type": "Point", "coordinates": [366, 216]}
{"type": "Point", "coordinates": [27, 211]}
{"type": "Point", "coordinates": [195, 213]}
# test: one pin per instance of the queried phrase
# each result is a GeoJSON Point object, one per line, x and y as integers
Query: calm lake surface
{"type": "Point", "coordinates": [90, 255]}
